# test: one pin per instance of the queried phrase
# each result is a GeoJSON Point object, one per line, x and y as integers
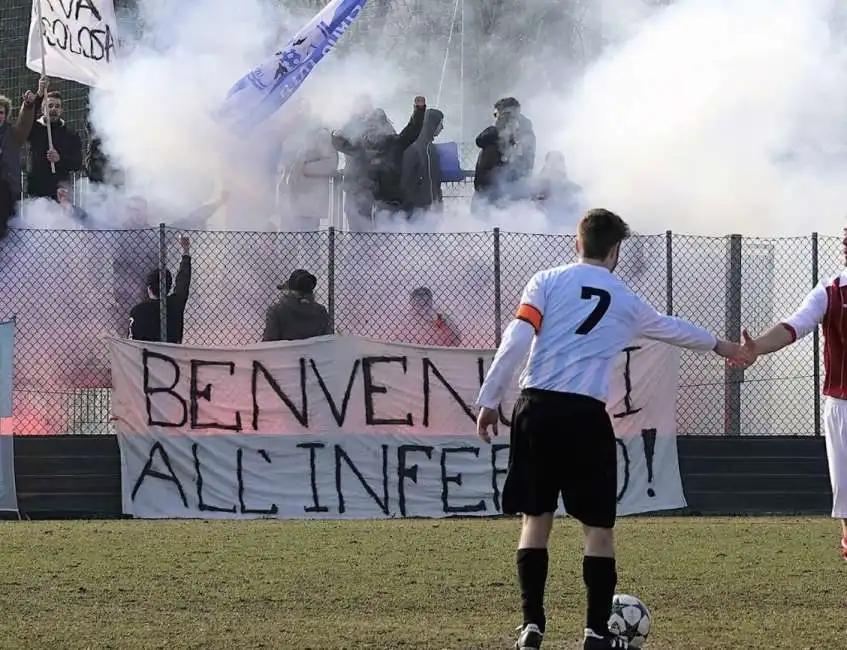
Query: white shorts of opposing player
{"type": "Point", "coordinates": [835, 428]}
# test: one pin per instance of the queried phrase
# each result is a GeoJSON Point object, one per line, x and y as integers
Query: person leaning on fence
{"type": "Point", "coordinates": [12, 138]}
{"type": "Point", "coordinates": [65, 155]}
{"type": "Point", "coordinates": [144, 318]}
{"type": "Point", "coordinates": [296, 315]}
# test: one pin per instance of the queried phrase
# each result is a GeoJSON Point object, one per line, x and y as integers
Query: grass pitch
{"type": "Point", "coordinates": [710, 583]}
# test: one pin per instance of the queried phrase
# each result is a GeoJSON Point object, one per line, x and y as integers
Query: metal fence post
{"type": "Point", "coordinates": [337, 200]}
{"type": "Point", "coordinates": [669, 272]}
{"type": "Point", "coordinates": [816, 343]}
{"type": "Point", "coordinates": [163, 286]}
{"type": "Point", "coordinates": [330, 279]}
{"type": "Point", "coordinates": [498, 322]}
{"type": "Point", "coordinates": [733, 376]}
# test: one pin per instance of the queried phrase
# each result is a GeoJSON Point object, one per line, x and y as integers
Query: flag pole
{"type": "Point", "coordinates": [44, 76]}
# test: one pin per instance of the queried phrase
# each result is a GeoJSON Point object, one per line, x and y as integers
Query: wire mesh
{"type": "Point", "coordinates": [778, 393]}
{"type": "Point", "coordinates": [70, 290]}
{"type": "Point", "coordinates": [376, 274]}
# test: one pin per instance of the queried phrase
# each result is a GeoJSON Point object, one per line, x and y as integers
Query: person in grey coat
{"type": "Point", "coordinates": [421, 171]}
{"type": "Point", "coordinates": [296, 315]}
{"type": "Point", "coordinates": [308, 177]}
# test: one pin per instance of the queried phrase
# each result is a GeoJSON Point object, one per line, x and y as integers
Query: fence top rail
{"type": "Point", "coordinates": [412, 233]}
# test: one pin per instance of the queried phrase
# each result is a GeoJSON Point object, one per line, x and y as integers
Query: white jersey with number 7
{"type": "Point", "coordinates": [573, 321]}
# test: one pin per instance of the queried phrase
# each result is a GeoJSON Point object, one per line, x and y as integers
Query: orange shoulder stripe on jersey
{"type": "Point", "coordinates": [531, 315]}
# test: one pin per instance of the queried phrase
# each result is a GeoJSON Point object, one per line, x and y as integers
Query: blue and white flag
{"type": "Point", "coordinates": [263, 91]}
{"type": "Point", "coordinates": [7, 356]}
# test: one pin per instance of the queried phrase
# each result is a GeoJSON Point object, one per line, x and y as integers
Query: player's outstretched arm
{"type": "Point", "coordinates": [799, 324]}
{"type": "Point", "coordinates": [670, 329]}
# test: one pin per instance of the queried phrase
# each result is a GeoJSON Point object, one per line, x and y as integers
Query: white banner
{"type": "Point", "coordinates": [351, 428]}
{"type": "Point", "coordinates": [80, 39]}
{"type": "Point", "coordinates": [8, 495]}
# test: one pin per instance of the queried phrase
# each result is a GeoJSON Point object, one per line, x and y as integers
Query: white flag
{"type": "Point", "coordinates": [80, 39]}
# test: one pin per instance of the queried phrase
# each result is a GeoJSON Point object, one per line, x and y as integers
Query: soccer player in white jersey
{"type": "Point", "coordinates": [573, 321]}
{"type": "Point", "coordinates": [826, 306]}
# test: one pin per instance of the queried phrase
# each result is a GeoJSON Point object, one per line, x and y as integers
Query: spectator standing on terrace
{"type": "Point", "coordinates": [144, 318]}
{"type": "Point", "coordinates": [98, 166]}
{"type": "Point", "coordinates": [386, 148]}
{"type": "Point", "coordinates": [373, 183]}
{"type": "Point", "coordinates": [507, 154]}
{"type": "Point", "coordinates": [307, 177]}
{"type": "Point", "coordinates": [421, 180]}
{"type": "Point", "coordinates": [297, 315]}
{"type": "Point", "coordinates": [357, 184]}
{"type": "Point", "coordinates": [556, 194]}
{"type": "Point", "coordinates": [65, 155]}
{"type": "Point", "coordinates": [12, 139]}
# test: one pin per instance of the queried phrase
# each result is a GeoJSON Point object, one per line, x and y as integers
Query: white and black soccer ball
{"type": "Point", "coordinates": [630, 619]}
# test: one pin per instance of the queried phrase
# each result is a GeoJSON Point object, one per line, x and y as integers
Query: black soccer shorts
{"type": "Point", "coordinates": [562, 444]}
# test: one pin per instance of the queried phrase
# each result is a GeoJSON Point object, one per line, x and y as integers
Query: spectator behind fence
{"type": "Point", "coordinates": [507, 155]}
{"type": "Point", "coordinates": [144, 318]}
{"type": "Point", "coordinates": [560, 198]}
{"type": "Point", "coordinates": [421, 178]}
{"type": "Point", "coordinates": [12, 139]}
{"type": "Point", "coordinates": [357, 184]}
{"type": "Point", "coordinates": [66, 153]}
{"type": "Point", "coordinates": [297, 315]}
{"type": "Point", "coordinates": [308, 176]}
{"type": "Point", "coordinates": [424, 325]}
{"type": "Point", "coordinates": [136, 250]}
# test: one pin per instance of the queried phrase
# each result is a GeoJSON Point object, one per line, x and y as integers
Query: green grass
{"type": "Point", "coordinates": [711, 584]}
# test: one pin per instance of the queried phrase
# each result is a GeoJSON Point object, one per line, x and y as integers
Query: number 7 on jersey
{"type": "Point", "coordinates": [600, 309]}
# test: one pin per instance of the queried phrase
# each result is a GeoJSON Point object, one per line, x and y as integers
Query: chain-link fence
{"type": "Point", "coordinates": [69, 290]}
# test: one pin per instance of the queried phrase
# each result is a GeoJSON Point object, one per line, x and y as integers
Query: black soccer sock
{"type": "Point", "coordinates": [532, 577]}
{"type": "Point", "coordinates": [600, 578]}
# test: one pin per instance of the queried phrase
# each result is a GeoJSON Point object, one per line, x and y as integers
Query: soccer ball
{"type": "Point", "coordinates": [630, 619]}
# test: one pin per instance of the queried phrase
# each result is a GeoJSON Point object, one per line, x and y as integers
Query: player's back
{"type": "Point", "coordinates": [588, 317]}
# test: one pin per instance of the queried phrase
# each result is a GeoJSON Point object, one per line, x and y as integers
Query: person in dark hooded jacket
{"type": "Point", "coordinates": [385, 151]}
{"type": "Point", "coordinates": [421, 171]}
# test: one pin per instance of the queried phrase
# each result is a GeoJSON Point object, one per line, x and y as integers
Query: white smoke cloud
{"type": "Point", "coordinates": [714, 117]}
